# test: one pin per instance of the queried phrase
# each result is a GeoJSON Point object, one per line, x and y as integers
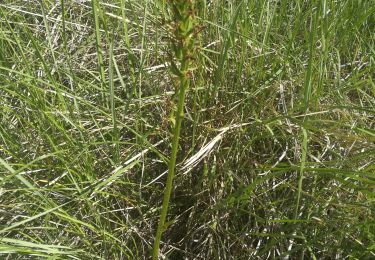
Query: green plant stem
{"type": "Point", "coordinates": [301, 171]}
{"type": "Point", "coordinates": [98, 43]}
{"type": "Point", "coordinates": [184, 85]}
{"type": "Point", "coordinates": [183, 47]}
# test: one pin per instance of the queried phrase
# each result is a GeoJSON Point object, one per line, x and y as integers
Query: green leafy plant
{"type": "Point", "coordinates": [182, 42]}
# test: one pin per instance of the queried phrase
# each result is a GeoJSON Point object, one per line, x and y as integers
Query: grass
{"type": "Point", "coordinates": [276, 153]}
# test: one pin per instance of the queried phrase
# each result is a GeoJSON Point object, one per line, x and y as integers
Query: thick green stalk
{"type": "Point", "coordinates": [185, 82]}
{"type": "Point", "coordinates": [183, 48]}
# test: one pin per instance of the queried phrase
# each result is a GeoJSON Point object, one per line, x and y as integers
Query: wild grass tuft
{"type": "Point", "coordinates": [263, 112]}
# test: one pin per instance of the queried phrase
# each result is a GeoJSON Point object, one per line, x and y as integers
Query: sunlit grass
{"type": "Point", "coordinates": [276, 153]}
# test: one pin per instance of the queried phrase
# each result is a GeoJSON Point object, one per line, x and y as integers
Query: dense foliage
{"type": "Point", "coordinates": [277, 145]}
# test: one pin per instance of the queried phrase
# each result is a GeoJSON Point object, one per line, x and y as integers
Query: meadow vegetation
{"type": "Point", "coordinates": [275, 154]}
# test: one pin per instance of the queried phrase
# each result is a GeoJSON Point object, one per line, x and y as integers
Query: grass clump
{"type": "Point", "coordinates": [276, 155]}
